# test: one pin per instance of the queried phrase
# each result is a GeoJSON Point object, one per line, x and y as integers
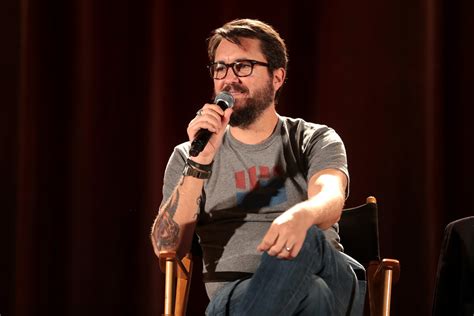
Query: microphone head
{"type": "Point", "coordinates": [224, 99]}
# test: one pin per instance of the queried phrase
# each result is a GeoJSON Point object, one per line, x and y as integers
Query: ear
{"type": "Point", "coordinates": [278, 78]}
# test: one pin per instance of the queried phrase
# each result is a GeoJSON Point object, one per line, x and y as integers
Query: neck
{"type": "Point", "coordinates": [258, 131]}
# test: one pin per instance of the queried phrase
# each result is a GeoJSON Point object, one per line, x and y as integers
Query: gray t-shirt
{"type": "Point", "coordinates": [250, 186]}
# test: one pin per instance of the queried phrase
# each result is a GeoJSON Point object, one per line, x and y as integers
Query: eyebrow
{"type": "Point", "coordinates": [235, 61]}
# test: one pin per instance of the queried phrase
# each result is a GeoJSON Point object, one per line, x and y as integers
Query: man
{"type": "Point", "coordinates": [264, 195]}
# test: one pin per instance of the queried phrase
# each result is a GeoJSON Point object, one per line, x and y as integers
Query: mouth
{"type": "Point", "coordinates": [236, 91]}
{"type": "Point", "coordinates": [238, 94]}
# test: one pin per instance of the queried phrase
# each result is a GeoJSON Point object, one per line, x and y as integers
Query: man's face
{"type": "Point", "coordinates": [253, 94]}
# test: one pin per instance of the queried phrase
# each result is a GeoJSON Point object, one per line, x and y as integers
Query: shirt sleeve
{"type": "Point", "coordinates": [324, 149]}
{"type": "Point", "coordinates": [173, 171]}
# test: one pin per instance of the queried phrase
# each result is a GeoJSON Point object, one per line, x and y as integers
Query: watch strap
{"type": "Point", "coordinates": [196, 173]}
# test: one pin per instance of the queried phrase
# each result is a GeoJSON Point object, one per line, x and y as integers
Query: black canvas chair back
{"type": "Point", "coordinates": [358, 229]}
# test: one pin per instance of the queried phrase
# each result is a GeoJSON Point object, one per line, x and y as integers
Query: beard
{"type": "Point", "coordinates": [248, 110]}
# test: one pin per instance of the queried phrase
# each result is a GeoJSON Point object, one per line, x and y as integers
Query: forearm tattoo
{"type": "Point", "coordinates": [167, 230]}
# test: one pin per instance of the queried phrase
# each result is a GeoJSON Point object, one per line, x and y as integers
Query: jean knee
{"type": "Point", "coordinates": [315, 239]}
{"type": "Point", "coordinates": [318, 301]}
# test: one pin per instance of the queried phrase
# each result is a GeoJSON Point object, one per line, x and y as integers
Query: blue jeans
{"type": "Point", "coordinates": [319, 281]}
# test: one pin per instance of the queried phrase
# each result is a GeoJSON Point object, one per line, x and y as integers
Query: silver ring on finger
{"type": "Point", "coordinates": [288, 248]}
{"type": "Point", "coordinates": [199, 113]}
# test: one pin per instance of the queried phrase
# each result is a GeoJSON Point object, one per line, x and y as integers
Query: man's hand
{"type": "Point", "coordinates": [287, 233]}
{"type": "Point", "coordinates": [326, 191]}
{"type": "Point", "coordinates": [215, 120]}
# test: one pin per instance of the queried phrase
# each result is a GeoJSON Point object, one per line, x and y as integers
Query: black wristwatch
{"type": "Point", "coordinates": [190, 171]}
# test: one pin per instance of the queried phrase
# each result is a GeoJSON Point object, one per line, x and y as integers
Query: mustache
{"type": "Point", "coordinates": [235, 87]}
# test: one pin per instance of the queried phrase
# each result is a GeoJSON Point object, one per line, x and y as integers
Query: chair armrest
{"type": "Point", "coordinates": [183, 264]}
{"type": "Point", "coordinates": [388, 264]}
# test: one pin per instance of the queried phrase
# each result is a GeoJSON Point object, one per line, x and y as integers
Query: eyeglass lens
{"type": "Point", "coordinates": [240, 68]}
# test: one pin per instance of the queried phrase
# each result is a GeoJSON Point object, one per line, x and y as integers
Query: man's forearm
{"type": "Point", "coordinates": [171, 229]}
{"type": "Point", "coordinates": [326, 197]}
{"type": "Point", "coordinates": [325, 208]}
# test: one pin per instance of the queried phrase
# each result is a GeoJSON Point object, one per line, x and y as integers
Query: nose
{"type": "Point", "coordinates": [230, 76]}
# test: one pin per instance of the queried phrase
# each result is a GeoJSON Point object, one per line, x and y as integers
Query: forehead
{"type": "Point", "coordinates": [249, 48]}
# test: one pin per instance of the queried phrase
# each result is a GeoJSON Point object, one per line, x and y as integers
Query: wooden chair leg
{"type": "Point", "coordinates": [169, 284]}
{"type": "Point", "coordinates": [381, 275]}
{"type": "Point", "coordinates": [176, 272]}
{"type": "Point", "coordinates": [183, 285]}
{"type": "Point", "coordinates": [387, 292]}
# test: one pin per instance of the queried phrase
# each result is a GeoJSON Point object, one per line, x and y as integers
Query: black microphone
{"type": "Point", "coordinates": [225, 100]}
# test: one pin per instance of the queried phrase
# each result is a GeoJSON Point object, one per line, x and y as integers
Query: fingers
{"type": "Point", "coordinates": [282, 241]}
{"type": "Point", "coordinates": [285, 251]}
{"type": "Point", "coordinates": [293, 252]}
{"type": "Point", "coordinates": [227, 114]}
{"type": "Point", "coordinates": [212, 110]}
{"type": "Point", "coordinates": [206, 118]}
{"type": "Point", "coordinates": [210, 117]}
{"type": "Point", "coordinates": [279, 244]}
{"type": "Point", "coordinates": [268, 240]}
{"type": "Point", "coordinates": [278, 247]}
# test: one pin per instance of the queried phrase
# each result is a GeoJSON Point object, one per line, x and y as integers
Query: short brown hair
{"type": "Point", "coordinates": [272, 45]}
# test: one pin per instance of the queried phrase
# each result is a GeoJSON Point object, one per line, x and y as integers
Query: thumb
{"type": "Point", "coordinates": [224, 122]}
{"type": "Point", "coordinates": [227, 114]}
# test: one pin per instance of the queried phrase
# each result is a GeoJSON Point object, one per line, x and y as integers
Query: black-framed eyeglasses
{"type": "Point", "coordinates": [241, 68]}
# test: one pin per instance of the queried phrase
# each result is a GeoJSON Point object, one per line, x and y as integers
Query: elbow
{"type": "Point", "coordinates": [335, 215]}
{"type": "Point", "coordinates": [328, 223]}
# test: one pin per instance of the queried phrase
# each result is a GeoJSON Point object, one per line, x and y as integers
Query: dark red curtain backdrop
{"type": "Point", "coordinates": [95, 95]}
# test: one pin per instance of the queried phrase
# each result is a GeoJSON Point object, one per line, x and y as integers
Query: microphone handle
{"type": "Point", "coordinates": [199, 142]}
